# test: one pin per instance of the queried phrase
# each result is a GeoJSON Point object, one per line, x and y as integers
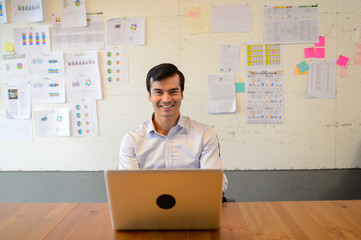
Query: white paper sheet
{"type": "Point", "coordinates": [321, 79]}
{"type": "Point", "coordinates": [229, 57]}
{"type": "Point", "coordinates": [116, 65]}
{"type": "Point", "coordinates": [77, 83]}
{"type": "Point", "coordinates": [260, 55]}
{"type": "Point", "coordinates": [51, 122]}
{"type": "Point", "coordinates": [73, 13]}
{"type": "Point", "coordinates": [90, 37]}
{"type": "Point", "coordinates": [13, 129]}
{"type": "Point", "coordinates": [32, 40]}
{"type": "Point", "coordinates": [17, 100]}
{"type": "Point", "coordinates": [231, 18]}
{"type": "Point", "coordinates": [126, 31]}
{"type": "Point", "coordinates": [15, 67]}
{"type": "Point", "coordinates": [82, 74]}
{"type": "Point", "coordinates": [17, 87]}
{"type": "Point", "coordinates": [264, 97]}
{"type": "Point", "coordinates": [291, 24]}
{"type": "Point", "coordinates": [3, 16]}
{"type": "Point", "coordinates": [27, 11]}
{"type": "Point", "coordinates": [84, 119]}
{"type": "Point", "coordinates": [52, 64]}
{"type": "Point", "coordinates": [221, 93]}
{"type": "Point", "coordinates": [47, 89]}
{"type": "Point", "coordinates": [47, 78]}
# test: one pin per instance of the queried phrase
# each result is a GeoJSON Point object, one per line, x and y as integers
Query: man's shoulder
{"type": "Point", "coordinates": [140, 130]}
{"type": "Point", "coordinates": [188, 122]}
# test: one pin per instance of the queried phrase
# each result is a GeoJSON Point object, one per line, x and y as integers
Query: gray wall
{"type": "Point", "coordinates": [290, 185]}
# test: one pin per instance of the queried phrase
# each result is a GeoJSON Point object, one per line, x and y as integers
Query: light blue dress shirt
{"type": "Point", "coordinates": [189, 144]}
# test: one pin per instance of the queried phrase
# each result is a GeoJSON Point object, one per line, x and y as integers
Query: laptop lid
{"type": "Point", "coordinates": [164, 198]}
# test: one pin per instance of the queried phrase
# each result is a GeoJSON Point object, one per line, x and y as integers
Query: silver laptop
{"type": "Point", "coordinates": [164, 199]}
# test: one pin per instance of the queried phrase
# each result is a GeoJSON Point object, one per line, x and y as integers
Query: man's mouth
{"type": "Point", "coordinates": [166, 106]}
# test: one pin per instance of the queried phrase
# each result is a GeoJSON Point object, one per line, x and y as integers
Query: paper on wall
{"type": "Point", "coordinates": [17, 86]}
{"type": "Point", "coordinates": [221, 96]}
{"type": "Point", "coordinates": [73, 13]}
{"type": "Point", "coordinates": [291, 24]}
{"type": "Point", "coordinates": [83, 115]}
{"type": "Point", "coordinates": [27, 11]}
{"type": "Point", "coordinates": [229, 57]}
{"type": "Point", "coordinates": [321, 79]}
{"type": "Point", "coordinates": [261, 55]}
{"type": "Point", "coordinates": [265, 97]}
{"type": "Point", "coordinates": [13, 129]}
{"type": "Point", "coordinates": [126, 31]}
{"type": "Point", "coordinates": [3, 17]}
{"type": "Point", "coordinates": [47, 78]}
{"type": "Point", "coordinates": [32, 40]}
{"type": "Point", "coordinates": [116, 65]}
{"type": "Point", "coordinates": [197, 19]}
{"type": "Point", "coordinates": [89, 37]}
{"type": "Point", "coordinates": [51, 122]}
{"type": "Point", "coordinates": [82, 74]}
{"type": "Point", "coordinates": [17, 99]}
{"type": "Point", "coordinates": [231, 18]}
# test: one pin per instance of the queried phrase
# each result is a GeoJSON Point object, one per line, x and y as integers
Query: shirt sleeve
{"type": "Point", "coordinates": [211, 156]}
{"type": "Point", "coordinates": [127, 155]}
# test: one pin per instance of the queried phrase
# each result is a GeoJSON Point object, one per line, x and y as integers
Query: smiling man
{"type": "Point", "coordinates": [169, 139]}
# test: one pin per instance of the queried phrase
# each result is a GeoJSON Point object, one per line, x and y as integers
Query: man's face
{"type": "Point", "coordinates": [166, 96]}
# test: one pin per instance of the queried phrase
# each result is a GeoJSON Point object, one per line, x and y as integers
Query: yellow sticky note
{"type": "Point", "coordinates": [9, 47]}
{"type": "Point", "coordinates": [197, 19]}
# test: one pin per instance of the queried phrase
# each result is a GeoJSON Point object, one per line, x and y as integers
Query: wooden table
{"type": "Point", "coordinates": [246, 220]}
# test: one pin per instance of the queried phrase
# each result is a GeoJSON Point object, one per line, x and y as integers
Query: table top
{"type": "Point", "coordinates": [243, 220]}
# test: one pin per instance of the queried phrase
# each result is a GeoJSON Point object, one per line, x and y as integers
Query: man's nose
{"type": "Point", "coordinates": [166, 97]}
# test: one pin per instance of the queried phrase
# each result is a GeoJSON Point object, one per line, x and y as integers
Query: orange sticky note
{"type": "Point", "coordinates": [298, 72]}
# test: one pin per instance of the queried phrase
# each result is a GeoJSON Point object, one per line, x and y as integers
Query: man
{"type": "Point", "coordinates": [169, 139]}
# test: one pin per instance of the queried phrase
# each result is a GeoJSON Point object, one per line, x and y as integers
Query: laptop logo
{"type": "Point", "coordinates": [165, 201]}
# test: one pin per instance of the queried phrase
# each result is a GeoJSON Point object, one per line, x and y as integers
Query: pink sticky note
{"type": "Point", "coordinates": [343, 72]}
{"type": "Point", "coordinates": [193, 13]}
{"type": "Point", "coordinates": [357, 55]}
{"type": "Point", "coordinates": [342, 61]}
{"type": "Point", "coordinates": [309, 52]}
{"type": "Point", "coordinates": [358, 47]}
{"type": "Point", "coordinates": [321, 41]}
{"type": "Point", "coordinates": [319, 53]}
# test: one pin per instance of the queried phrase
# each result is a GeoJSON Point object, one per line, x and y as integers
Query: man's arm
{"type": "Point", "coordinates": [211, 156]}
{"type": "Point", "coordinates": [127, 155]}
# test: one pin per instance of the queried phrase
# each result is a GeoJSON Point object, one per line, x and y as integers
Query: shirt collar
{"type": "Point", "coordinates": [181, 123]}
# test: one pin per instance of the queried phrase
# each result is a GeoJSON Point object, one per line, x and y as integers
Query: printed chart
{"type": "Point", "coordinates": [260, 55]}
{"type": "Point", "coordinates": [116, 65]}
{"type": "Point", "coordinates": [265, 97]}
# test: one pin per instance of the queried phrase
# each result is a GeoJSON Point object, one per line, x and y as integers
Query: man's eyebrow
{"type": "Point", "coordinates": [172, 89]}
{"type": "Point", "coordinates": [157, 89]}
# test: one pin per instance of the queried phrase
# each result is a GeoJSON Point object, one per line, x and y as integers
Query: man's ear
{"type": "Point", "coordinates": [149, 97]}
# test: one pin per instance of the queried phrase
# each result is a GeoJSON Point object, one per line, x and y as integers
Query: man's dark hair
{"type": "Point", "coordinates": [163, 71]}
